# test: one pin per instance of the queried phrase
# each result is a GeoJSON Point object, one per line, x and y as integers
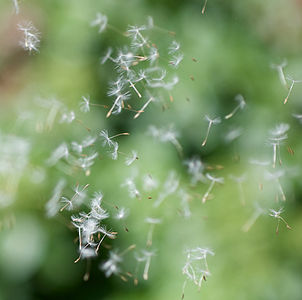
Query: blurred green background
{"type": "Point", "coordinates": [234, 43]}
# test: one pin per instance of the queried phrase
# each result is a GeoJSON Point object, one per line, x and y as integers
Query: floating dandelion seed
{"type": "Point", "coordinates": [276, 177]}
{"type": "Point", "coordinates": [170, 186]}
{"type": "Point", "coordinates": [258, 211]}
{"type": "Point", "coordinates": [132, 158]}
{"type": "Point", "coordinates": [213, 181]}
{"type": "Point", "coordinates": [85, 104]}
{"type": "Point", "coordinates": [278, 136]}
{"type": "Point", "coordinates": [281, 75]}
{"type": "Point", "coordinates": [31, 37]}
{"type": "Point", "coordinates": [67, 117]}
{"type": "Point", "coordinates": [148, 255]}
{"type": "Point", "coordinates": [277, 214]}
{"type": "Point", "coordinates": [168, 134]}
{"type": "Point", "coordinates": [204, 7]}
{"type": "Point", "coordinates": [112, 265]}
{"type": "Point", "coordinates": [118, 103]}
{"type": "Point", "coordinates": [53, 206]}
{"type": "Point", "coordinates": [101, 21]}
{"type": "Point", "coordinates": [176, 60]}
{"type": "Point", "coordinates": [134, 88]}
{"type": "Point", "coordinates": [143, 108]}
{"type": "Point", "coordinates": [195, 169]}
{"type": "Point", "coordinates": [139, 259]}
{"type": "Point", "coordinates": [77, 198]}
{"type": "Point", "coordinates": [233, 134]}
{"type": "Point", "coordinates": [132, 190]}
{"type": "Point", "coordinates": [211, 122]}
{"type": "Point", "coordinates": [106, 233]}
{"type": "Point", "coordinates": [108, 140]}
{"type": "Point", "coordinates": [60, 152]}
{"type": "Point", "coordinates": [152, 222]}
{"type": "Point", "coordinates": [107, 56]}
{"type": "Point", "coordinates": [122, 213]}
{"type": "Point", "coordinates": [185, 199]}
{"type": "Point", "coordinates": [241, 104]}
{"type": "Point", "coordinates": [174, 47]}
{"type": "Point", "coordinates": [196, 267]}
{"type": "Point", "coordinates": [293, 82]}
{"type": "Point", "coordinates": [239, 180]}
{"type": "Point", "coordinates": [149, 183]}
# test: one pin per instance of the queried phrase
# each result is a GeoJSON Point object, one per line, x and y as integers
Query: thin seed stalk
{"type": "Point", "coordinates": [206, 195]}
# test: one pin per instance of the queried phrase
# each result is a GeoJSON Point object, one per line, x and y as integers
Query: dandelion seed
{"type": "Point", "coordinates": [139, 259]}
{"type": "Point", "coordinates": [239, 180]}
{"type": "Point", "coordinates": [112, 265]}
{"type": "Point", "coordinates": [54, 107]}
{"type": "Point", "coordinates": [133, 191]}
{"type": "Point", "coordinates": [97, 211]}
{"type": "Point", "coordinates": [88, 141]}
{"type": "Point", "coordinates": [293, 82]}
{"type": "Point", "coordinates": [241, 105]}
{"type": "Point", "coordinates": [108, 140]}
{"type": "Point", "coordinates": [213, 181]}
{"type": "Point", "coordinates": [131, 159]}
{"type": "Point", "coordinates": [176, 60]}
{"type": "Point", "coordinates": [276, 177]}
{"type": "Point", "coordinates": [68, 205]}
{"type": "Point", "coordinates": [196, 267]}
{"type": "Point", "coordinates": [105, 136]}
{"type": "Point", "coordinates": [277, 214]}
{"type": "Point", "coordinates": [174, 47]}
{"type": "Point", "coordinates": [258, 211]}
{"type": "Point", "coordinates": [85, 105]}
{"type": "Point", "coordinates": [281, 75]}
{"type": "Point", "coordinates": [31, 37]}
{"type": "Point", "coordinates": [52, 206]}
{"type": "Point", "coordinates": [233, 134]}
{"type": "Point", "coordinates": [101, 21]}
{"type": "Point", "coordinates": [149, 183]}
{"type": "Point", "coordinates": [138, 40]}
{"type": "Point", "coordinates": [60, 152]}
{"type": "Point", "coordinates": [117, 104]}
{"type": "Point", "coordinates": [143, 108]}
{"type": "Point", "coordinates": [153, 55]}
{"type": "Point", "coordinates": [122, 213]}
{"type": "Point", "coordinates": [107, 56]}
{"type": "Point", "coordinates": [278, 136]}
{"type": "Point", "coordinates": [135, 89]}
{"type": "Point", "coordinates": [78, 222]}
{"type": "Point", "coordinates": [195, 169]}
{"type": "Point", "coordinates": [170, 186]}
{"type": "Point", "coordinates": [77, 198]}
{"type": "Point", "coordinates": [106, 233]}
{"type": "Point", "coordinates": [166, 135]}
{"type": "Point", "coordinates": [86, 252]}
{"type": "Point", "coordinates": [148, 255]}
{"type": "Point", "coordinates": [114, 153]}
{"type": "Point", "coordinates": [204, 7]}
{"type": "Point", "coordinates": [152, 222]}
{"type": "Point", "coordinates": [211, 122]}
{"type": "Point", "coordinates": [67, 117]}
{"type": "Point", "coordinates": [185, 199]}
